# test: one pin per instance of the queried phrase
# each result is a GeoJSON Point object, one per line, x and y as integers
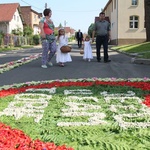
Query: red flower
{"type": "Point", "coordinates": [12, 139]}
{"type": "Point", "coordinates": [147, 100]}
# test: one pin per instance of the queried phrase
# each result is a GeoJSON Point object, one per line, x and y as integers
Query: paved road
{"type": "Point", "coordinates": [119, 67]}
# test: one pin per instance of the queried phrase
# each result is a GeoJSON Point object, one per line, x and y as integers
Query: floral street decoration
{"type": "Point", "coordinates": [84, 114]}
{"type": "Point", "coordinates": [12, 139]}
{"type": "Point", "coordinates": [14, 64]}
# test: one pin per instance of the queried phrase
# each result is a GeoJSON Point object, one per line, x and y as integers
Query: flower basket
{"type": "Point", "coordinates": [65, 49]}
{"type": "Point", "coordinates": [81, 52]}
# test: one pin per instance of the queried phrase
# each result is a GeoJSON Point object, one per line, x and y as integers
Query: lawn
{"type": "Point", "coordinates": [142, 49]}
{"type": "Point", "coordinates": [2, 49]}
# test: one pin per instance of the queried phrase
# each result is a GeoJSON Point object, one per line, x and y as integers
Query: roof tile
{"type": "Point", "coordinates": [7, 11]}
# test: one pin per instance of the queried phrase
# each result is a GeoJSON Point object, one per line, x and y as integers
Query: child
{"type": "Point", "coordinates": [61, 58]}
{"type": "Point", "coordinates": [87, 49]}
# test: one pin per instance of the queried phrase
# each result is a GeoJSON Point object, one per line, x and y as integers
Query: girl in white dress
{"type": "Point", "coordinates": [87, 49]}
{"type": "Point", "coordinates": [61, 58]}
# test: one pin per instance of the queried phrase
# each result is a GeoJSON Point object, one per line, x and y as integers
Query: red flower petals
{"type": "Point", "coordinates": [147, 100]}
{"type": "Point", "coordinates": [12, 139]}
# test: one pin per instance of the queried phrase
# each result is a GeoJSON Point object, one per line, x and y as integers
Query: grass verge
{"type": "Point", "coordinates": [142, 50]}
{"type": "Point", "coordinates": [2, 49]}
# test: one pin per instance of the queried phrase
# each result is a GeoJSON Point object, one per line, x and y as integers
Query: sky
{"type": "Point", "coordinates": [77, 14]}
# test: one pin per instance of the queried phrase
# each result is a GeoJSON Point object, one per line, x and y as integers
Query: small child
{"type": "Point", "coordinates": [87, 49]}
{"type": "Point", "coordinates": [61, 58]}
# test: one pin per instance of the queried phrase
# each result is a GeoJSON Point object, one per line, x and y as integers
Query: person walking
{"type": "Point", "coordinates": [61, 58]}
{"type": "Point", "coordinates": [79, 37]}
{"type": "Point", "coordinates": [102, 30]}
{"type": "Point", "coordinates": [48, 38]}
{"type": "Point", "coordinates": [87, 49]}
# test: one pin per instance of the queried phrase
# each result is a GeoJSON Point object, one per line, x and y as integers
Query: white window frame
{"type": "Point", "coordinates": [134, 21]}
{"type": "Point", "coordinates": [134, 2]}
{"type": "Point", "coordinates": [14, 17]}
{"type": "Point", "coordinates": [17, 18]}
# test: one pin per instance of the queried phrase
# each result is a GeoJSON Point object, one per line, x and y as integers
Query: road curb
{"type": "Point", "coordinates": [140, 61]}
{"type": "Point", "coordinates": [134, 59]}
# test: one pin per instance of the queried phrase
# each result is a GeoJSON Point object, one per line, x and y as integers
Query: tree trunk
{"type": "Point", "coordinates": [147, 18]}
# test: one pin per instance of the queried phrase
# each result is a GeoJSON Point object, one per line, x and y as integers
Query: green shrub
{"type": "Point", "coordinates": [36, 39]}
{"type": "Point", "coordinates": [0, 39]}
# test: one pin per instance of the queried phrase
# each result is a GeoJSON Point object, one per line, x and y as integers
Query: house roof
{"type": "Point", "coordinates": [31, 10]}
{"type": "Point", "coordinates": [67, 29]}
{"type": "Point", "coordinates": [107, 5]}
{"type": "Point", "coordinates": [7, 11]}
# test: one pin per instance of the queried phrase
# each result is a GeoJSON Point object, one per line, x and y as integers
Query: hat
{"type": "Point", "coordinates": [61, 29]}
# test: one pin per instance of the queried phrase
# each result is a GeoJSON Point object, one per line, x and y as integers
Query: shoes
{"type": "Point", "coordinates": [61, 65]}
{"type": "Point", "coordinates": [50, 63]}
{"type": "Point", "coordinates": [106, 61]}
{"type": "Point", "coordinates": [44, 66]}
{"type": "Point", "coordinates": [98, 60]}
{"type": "Point", "coordinates": [89, 60]}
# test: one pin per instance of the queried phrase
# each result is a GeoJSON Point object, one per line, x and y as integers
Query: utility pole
{"type": "Point", "coordinates": [45, 5]}
{"type": "Point", "coordinates": [65, 24]}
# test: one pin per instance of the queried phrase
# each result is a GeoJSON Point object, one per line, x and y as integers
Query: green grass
{"type": "Point", "coordinates": [142, 49]}
{"type": "Point", "coordinates": [2, 49]}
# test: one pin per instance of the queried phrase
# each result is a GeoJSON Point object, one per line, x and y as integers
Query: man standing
{"type": "Point", "coordinates": [79, 37]}
{"type": "Point", "coordinates": [102, 30]}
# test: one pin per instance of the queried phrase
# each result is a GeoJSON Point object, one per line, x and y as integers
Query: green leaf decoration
{"type": "Point", "coordinates": [111, 135]}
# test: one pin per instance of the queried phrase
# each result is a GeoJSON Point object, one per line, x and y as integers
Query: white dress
{"type": "Point", "coordinates": [87, 50]}
{"type": "Point", "coordinates": [62, 57]}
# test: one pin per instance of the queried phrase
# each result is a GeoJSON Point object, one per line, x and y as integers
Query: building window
{"type": "Point", "coordinates": [134, 2]}
{"type": "Point", "coordinates": [134, 22]}
{"type": "Point", "coordinates": [17, 18]}
{"type": "Point", "coordinates": [35, 17]}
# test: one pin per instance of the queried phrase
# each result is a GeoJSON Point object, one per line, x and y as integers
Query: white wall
{"type": "Point", "coordinates": [15, 23]}
{"type": "Point", "coordinates": [36, 30]}
{"type": "Point", "coordinates": [125, 11]}
{"type": "Point", "coordinates": [114, 21]}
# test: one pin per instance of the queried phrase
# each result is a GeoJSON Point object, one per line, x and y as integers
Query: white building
{"type": "Point", "coordinates": [127, 21]}
{"type": "Point", "coordinates": [10, 18]}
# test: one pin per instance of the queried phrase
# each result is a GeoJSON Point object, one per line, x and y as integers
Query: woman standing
{"type": "Point", "coordinates": [48, 38]}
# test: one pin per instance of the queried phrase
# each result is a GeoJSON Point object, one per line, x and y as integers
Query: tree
{"type": "Point", "coordinates": [60, 25]}
{"type": "Point", "coordinates": [1, 37]}
{"type": "Point", "coordinates": [147, 18]}
{"type": "Point", "coordinates": [90, 29]}
{"type": "Point", "coordinates": [28, 31]}
{"type": "Point", "coordinates": [17, 31]}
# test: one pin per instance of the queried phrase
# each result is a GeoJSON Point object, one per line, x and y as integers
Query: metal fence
{"type": "Point", "coordinates": [14, 40]}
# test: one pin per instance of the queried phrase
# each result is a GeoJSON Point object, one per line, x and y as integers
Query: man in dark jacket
{"type": "Point", "coordinates": [79, 38]}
